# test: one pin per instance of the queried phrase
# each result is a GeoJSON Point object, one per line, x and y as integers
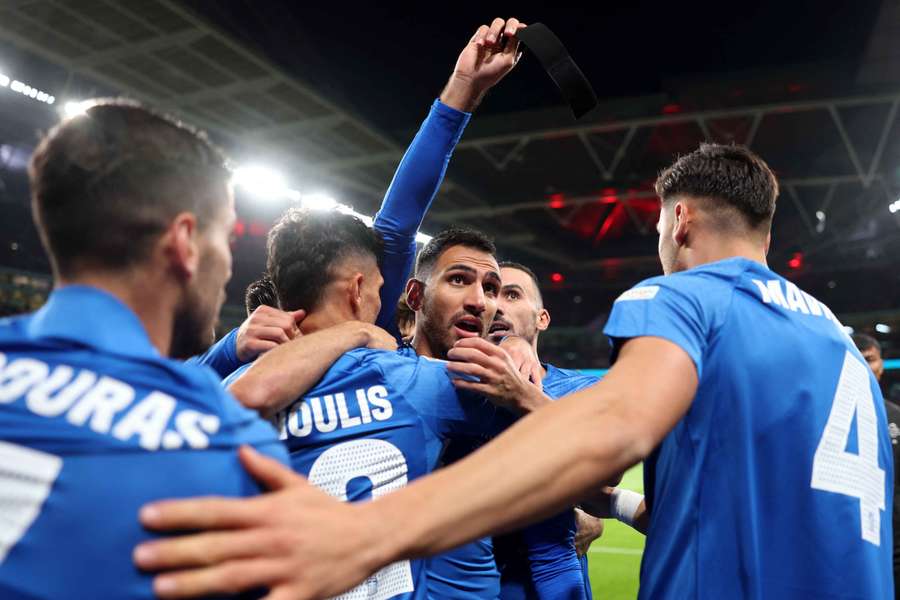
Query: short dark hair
{"type": "Point", "coordinates": [509, 264]}
{"type": "Point", "coordinates": [727, 174]}
{"type": "Point", "coordinates": [105, 184]}
{"type": "Point", "coordinates": [260, 293]}
{"type": "Point", "coordinates": [448, 238]}
{"type": "Point", "coordinates": [303, 247]}
{"type": "Point", "coordinates": [865, 341]}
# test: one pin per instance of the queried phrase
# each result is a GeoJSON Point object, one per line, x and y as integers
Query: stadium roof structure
{"type": "Point", "coordinates": [558, 194]}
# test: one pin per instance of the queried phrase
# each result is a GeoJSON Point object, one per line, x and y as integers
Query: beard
{"type": "Point", "coordinates": [193, 329]}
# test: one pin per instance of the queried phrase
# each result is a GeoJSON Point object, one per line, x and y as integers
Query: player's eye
{"type": "Point", "coordinates": [512, 295]}
{"type": "Point", "coordinates": [456, 279]}
{"type": "Point", "coordinates": [491, 288]}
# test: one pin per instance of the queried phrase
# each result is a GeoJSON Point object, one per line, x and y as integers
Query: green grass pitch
{"type": "Point", "coordinates": [615, 558]}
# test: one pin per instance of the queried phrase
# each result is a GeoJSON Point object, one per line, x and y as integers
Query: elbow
{"type": "Point", "coordinates": [254, 397]}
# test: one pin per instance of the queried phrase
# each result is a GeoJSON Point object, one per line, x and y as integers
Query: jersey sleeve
{"type": "Point", "coordinates": [221, 356]}
{"type": "Point", "coordinates": [414, 186]}
{"type": "Point", "coordinates": [682, 309]}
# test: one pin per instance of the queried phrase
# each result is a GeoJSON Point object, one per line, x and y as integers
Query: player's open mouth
{"type": "Point", "coordinates": [468, 327]}
{"type": "Point", "coordinates": [499, 327]}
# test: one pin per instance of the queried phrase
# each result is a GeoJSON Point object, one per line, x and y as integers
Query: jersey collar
{"type": "Point", "coordinates": [93, 318]}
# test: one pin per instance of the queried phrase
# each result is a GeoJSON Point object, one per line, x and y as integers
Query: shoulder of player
{"type": "Point", "coordinates": [714, 278]}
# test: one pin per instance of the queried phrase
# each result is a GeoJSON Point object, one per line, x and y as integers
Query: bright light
{"type": "Point", "coordinates": [848, 329]}
{"type": "Point", "coordinates": [262, 182]}
{"type": "Point", "coordinates": [74, 109]}
{"type": "Point", "coordinates": [894, 206]}
{"type": "Point", "coordinates": [318, 202]}
{"type": "Point", "coordinates": [27, 90]}
{"type": "Point", "coordinates": [882, 328]}
{"type": "Point", "coordinates": [4, 80]}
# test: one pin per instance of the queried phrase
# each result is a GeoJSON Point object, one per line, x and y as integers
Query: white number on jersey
{"type": "Point", "coordinates": [26, 477]}
{"type": "Point", "coordinates": [385, 466]}
{"type": "Point", "coordinates": [855, 475]}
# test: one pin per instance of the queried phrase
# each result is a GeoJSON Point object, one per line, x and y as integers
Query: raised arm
{"type": "Point", "coordinates": [421, 171]}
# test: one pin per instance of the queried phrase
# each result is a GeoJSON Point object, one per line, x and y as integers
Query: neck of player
{"type": "Point", "coordinates": [153, 298]}
{"type": "Point", "coordinates": [716, 248]}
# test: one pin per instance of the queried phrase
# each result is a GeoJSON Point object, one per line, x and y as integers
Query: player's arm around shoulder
{"type": "Point", "coordinates": [285, 373]}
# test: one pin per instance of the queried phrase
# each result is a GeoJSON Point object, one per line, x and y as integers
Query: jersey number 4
{"type": "Point", "coordinates": [385, 467]}
{"type": "Point", "coordinates": [856, 475]}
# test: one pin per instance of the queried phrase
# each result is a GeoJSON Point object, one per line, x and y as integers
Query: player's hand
{"type": "Point", "coordinates": [524, 358]}
{"type": "Point", "coordinates": [498, 376]}
{"type": "Point", "coordinates": [379, 339]}
{"type": "Point", "coordinates": [265, 329]}
{"type": "Point", "coordinates": [587, 529]}
{"type": "Point", "coordinates": [296, 540]}
{"type": "Point", "coordinates": [491, 53]}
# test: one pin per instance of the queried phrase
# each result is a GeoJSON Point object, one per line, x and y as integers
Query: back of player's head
{"type": "Point", "coordinates": [107, 183]}
{"type": "Point", "coordinates": [509, 264]}
{"type": "Point", "coordinates": [865, 342]}
{"type": "Point", "coordinates": [304, 248]}
{"type": "Point", "coordinates": [260, 293]}
{"type": "Point", "coordinates": [449, 238]}
{"type": "Point", "coordinates": [731, 180]}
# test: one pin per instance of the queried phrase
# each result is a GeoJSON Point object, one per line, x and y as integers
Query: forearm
{"type": "Point", "coordinates": [285, 373]}
{"type": "Point", "coordinates": [464, 501]}
{"type": "Point", "coordinates": [547, 461]}
{"type": "Point", "coordinates": [409, 196]}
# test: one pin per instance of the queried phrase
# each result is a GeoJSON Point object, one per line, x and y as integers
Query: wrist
{"type": "Point", "coordinates": [462, 93]}
{"type": "Point", "coordinates": [624, 505]}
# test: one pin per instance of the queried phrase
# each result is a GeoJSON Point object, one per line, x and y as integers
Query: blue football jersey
{"type": "Point", "coordinates": [540, 561]}
{"type": "Point", "coordinates": [94, 423]}
{"type": "Point", "coordinates": [376, 421]}
{"type": "Point", "coordinates": [776, 482]}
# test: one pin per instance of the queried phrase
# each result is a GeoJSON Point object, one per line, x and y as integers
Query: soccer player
{"type": "Point", "coordinates": [767, 457]}
{"type": "Point", "coordinates": [135, 212]}
{"type": "Point", "coordinates": [550, 567]}
{"type": "Point", "coordinates": [376, 419]}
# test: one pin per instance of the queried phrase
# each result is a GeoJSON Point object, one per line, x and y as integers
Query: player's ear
{"type": "Point", "coordinates": [415, 293]}
{"type": "Point", "coordinates": [180, 245]}
{"type": "Point", "coordinates": [543, 320]}
{"type": "Point", "coordinates": [680, 223]}
{"type": "Point", "coordinates": [354, 293]}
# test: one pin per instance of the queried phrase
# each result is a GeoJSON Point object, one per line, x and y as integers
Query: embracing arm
{"type": "Point", "coordinates": [300, 543]}
{"type": "Point", "coordinates": [285, 373]}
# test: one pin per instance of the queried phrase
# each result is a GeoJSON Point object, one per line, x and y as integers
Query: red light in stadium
{"type": "Point", "coordinates": [557, 201]}
{"type": "Point", "coordinates": [239, 228]}
{"type": "Point", "coordinates": [557, 278]}
{"type": "Point", "coordinates": [671, 109]}
{"type": "Point", "coordinates": [796, 261]}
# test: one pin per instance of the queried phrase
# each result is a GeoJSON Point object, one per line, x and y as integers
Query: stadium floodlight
{"type": "Point", "coordinates": [882, 328]}
{"type": "Point", "coordinates": [894, 206]}
{"type": "Point", "coordinates": [262, 182]}
{"type": "Point", "coordinates": [75, 108]}
{"type": "Point", "coordinates": [318, 201]}
{"type": "Point", "coordinates": [4, 80]}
